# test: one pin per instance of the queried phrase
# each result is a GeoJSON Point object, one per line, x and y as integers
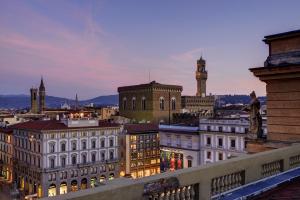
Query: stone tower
{"type": "Point", "coordinates": [76, 102]}
{"type": "Point", "coordinates": [201, 77]}
{"type": "Point", "coordinates": [33, 100]}
{"type": "Point", "coordinates": [42, 95]}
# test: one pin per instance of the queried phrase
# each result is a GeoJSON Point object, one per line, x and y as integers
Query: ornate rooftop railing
{"type": "Point", "coordinates": [201, 182]}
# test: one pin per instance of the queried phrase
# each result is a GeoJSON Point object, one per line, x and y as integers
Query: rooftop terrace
{"type": "Point", "coordinates": [204, 182]}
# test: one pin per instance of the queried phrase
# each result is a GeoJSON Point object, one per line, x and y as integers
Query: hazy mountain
{"type": "Point", "coordinates": [23, 101]}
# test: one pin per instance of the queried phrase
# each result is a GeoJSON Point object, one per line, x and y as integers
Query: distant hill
{"type": "Point", "coordinates": [238, 99]}
{"type": "Point", "coordinates": [23, 101]}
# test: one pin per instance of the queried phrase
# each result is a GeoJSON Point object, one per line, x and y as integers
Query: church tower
{"type": "Point", "coordinates": [201, 77]}
{"type": "Point", "coordinates": [42, 95]}
{"type": "Point", "coordinates": [33, 100]}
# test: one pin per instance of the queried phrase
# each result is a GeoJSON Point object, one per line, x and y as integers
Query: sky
{"type": "Point", "coordinates": [93, 47]}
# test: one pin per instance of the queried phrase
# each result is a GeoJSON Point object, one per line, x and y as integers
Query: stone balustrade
{"type": "Point", "coordinates": [201, 182]}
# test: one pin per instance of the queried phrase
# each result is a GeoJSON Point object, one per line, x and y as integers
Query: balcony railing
{"type": "Point", "coordinates": [201, 182]}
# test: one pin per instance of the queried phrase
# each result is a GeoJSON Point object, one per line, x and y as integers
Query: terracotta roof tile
{"type": "Point", "coordinates": [140, 128]}
{"type": "Point", "coordinates": [55, 125]}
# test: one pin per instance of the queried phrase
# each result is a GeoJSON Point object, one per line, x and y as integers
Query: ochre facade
{"type": "Point", "coordinates": [153, 102]}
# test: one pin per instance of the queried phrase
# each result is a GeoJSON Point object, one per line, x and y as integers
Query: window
{"type": "Point", "coordinates": [232, 129]}
{"type": "Point", "coordinates": [52, 147]}
{"type": "Point", "coordinates": [74, 160]}
{"type": "Point", "coordinates": [208, 141]}
{"type": "Point", "coordinates": [220, 156]}
{"type": "Point", "coordinates": [93, 157]}
{"type": "Point", "coordinates": [102, 142]}
{"type": "Point", "coordinates": [246, 130]}
{"type": "Point", "coordinates": [111, 155]}
{"type": "Point", "coordinates": [84, 145]}
{"type": "Point", "coordinates": [102, 156]}
{"type": "Point", "coordinates": [173, 103]}
{"type": "Point", "coordinates": [93, 144]}
{"type": "Point", "coordinates": [178, 141]}
{"type": "Point", "coordinates": [74, 145]}
{"type": "Point", "coordinates": [161, 103]}
{"type": "Point", "coordinates": [63, 146]}
{"type": "Point", "coordinates": [124, 103]}
{"type": "Point", "coordinates": [83, 158]}
{"type": "Point", "coordinates": [52, 163]}
{"type": "Point", "coordinates": [133, 103]}
{"type": "Point", "coordinates": [220, 142]}
{"type": "Point", "coordinates": [189, 163]}
{"type": "Point", "coordinates": [232, 143]}
{"type": "Point", "coordinates": [63, 161]}
{"type": "Point", "coordinates": [208, 128]}
{"type": "Point", "coordinates": [220, 129]}
{"type": "Point", "coordinates": [111, 142]}
{"type": "Point", "coordinates": [189, 143]}
{"type": "Point", "coordinates": [169, 142]}
{"type": "Point", "coordinates": [208, 155]}
{"type": "Point", "coordinates": [143, 103]}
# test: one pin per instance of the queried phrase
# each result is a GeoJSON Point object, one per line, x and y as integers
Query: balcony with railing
{"type": "Point", "coordinates": [203, 182]}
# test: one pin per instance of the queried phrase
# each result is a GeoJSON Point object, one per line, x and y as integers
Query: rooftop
{"type": "Point", "coordinates": [152, 84]}
{"type": "Point", "coordinates": [56, 125]}
{"type": "Point", "coordinates": [5, 130]}
{"type": "Point", "coordinates": [140, 128]}
{"type": "Point", "coordinates": [289, 34]}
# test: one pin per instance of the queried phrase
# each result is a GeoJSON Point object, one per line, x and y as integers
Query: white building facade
{"type": "Point", "coordinates": [222, 139]}
{"type": "Point", "coordinates": [179, 146]}
{"type": "Point", "coordinates": [55, 157]}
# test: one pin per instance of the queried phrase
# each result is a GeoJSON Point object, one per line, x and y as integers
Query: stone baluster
{"type": "Point", "coordinates": [177, 194]}
{"type": "Point", "coordinates": [161, 196]}
{"type": "Point", "coordinates": [193, 194]}
{"type": "Point", "coordinates": [182, 193]}
{"type": "Point", "coordinates": [172, 196]}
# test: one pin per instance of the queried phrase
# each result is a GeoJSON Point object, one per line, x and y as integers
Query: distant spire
{"type": "Point", "coordinates": [76, 102]}
{"type": "Point", "coordinates": [42, 86]}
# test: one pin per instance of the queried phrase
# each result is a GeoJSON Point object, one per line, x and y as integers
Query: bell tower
{"type": "Point", "coordinates": [42, 95]}
{"type": "Point", "coordinates": [33, 100]}
{"type": "Point", "coordinates": [201, 77]}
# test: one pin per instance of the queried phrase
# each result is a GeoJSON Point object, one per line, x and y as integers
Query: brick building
{"type": "Point", "coordinates": [151, 102]}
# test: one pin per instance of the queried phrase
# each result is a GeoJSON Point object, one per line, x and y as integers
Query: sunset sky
{"type": "Point", "coordinates": [92, 47]}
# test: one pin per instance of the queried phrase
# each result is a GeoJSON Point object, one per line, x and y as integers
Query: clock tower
{"type": "Point", "coordinates": [201, 77]}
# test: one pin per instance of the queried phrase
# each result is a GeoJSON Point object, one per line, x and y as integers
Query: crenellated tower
{"type": "Point", "coordinates": [33, 100]}
{"type": "Point", "coordinates": [201, 77]}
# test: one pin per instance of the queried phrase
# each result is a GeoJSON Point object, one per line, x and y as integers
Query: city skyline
{"type": "Point", "coordinates": [83, 47]}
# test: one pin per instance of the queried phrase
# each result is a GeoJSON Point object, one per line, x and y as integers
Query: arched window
{"type": "Point", "coordinates": [83, 158]}
{"type": "Point", "coordinates": [93, 157]}
{"type": "Point", "coordinates": [133, 103]}
{"type": "Point", "coordinates": [144, 103]}
{"type": "Point", "coordinates": [173, 103]}
{"type": "Point", "coordinates": [124, 103]}
{"type": "Point", "coordinates": [52, 162]}
{"type": "Point", "coordinates": [63, 161]}
{"type": "Point", "coordinates": [63, 146]}
{"type": "Point", "coordinates": [83, 144]}
{"type": "Point", "coordinates": [74, 145]}
{"type": "Point", "coordinates": [74, 159]}
{"type": "Point", "coordinates": [161, 103]}
{"type": "Point", "coordinates": [52, 147]}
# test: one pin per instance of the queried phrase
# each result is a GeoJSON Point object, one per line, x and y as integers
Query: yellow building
{"type": "Point", "coordinates": [140, 153]}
